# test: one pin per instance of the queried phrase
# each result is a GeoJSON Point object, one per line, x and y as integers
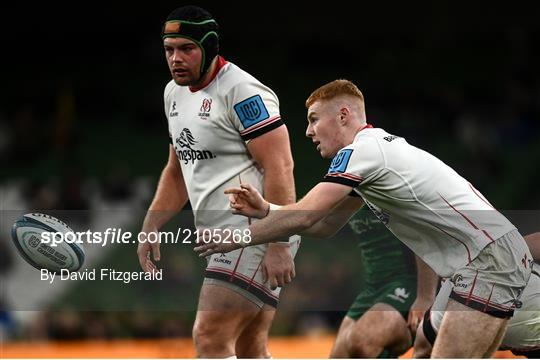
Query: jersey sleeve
{"type": "Point", "coordinates": [355, 164]}
{"type": "Point", "coordinates": [167, 103]}
{"type": "Point", "coordinates": [254, 109]}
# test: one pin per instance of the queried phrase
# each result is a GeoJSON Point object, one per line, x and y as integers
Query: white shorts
{"type": "Point", "coordinates": [494, 280]}
{"type": "Point", "coordinates": [523, 333]}
{"type": "Point", "coordinates": [240, 271]}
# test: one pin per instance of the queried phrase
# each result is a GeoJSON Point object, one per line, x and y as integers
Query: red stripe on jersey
{"type": "Point", "coordinates": [260, 125]}
{"type": "Point", "coordinates": [487, 235]}
{"type": "Point", "coordinates": [472, 288]}
{"type": "Point", "coordinates": [347, 176]}
{"type": "Point", "coordinates": [455, 238]}
{"type": "Point", "coordinates": [237, 262]}
{"type": "Point", "coordinates": [489, 298]}
{"type": "Point", "coordinates": [468, 220]}
{"type": "Point", "coordinates": [481, 197]}
{"type": "Point", "coordinates": [255, 273]}
{"type": "Point", "coordinates": [482, 300]}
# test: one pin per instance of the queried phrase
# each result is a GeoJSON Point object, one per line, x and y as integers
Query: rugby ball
{"type": "Point", "coordinates": [38, 250]}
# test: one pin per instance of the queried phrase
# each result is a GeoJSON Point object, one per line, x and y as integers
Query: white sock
{"type": "Point", "coordinates": [231, 357]}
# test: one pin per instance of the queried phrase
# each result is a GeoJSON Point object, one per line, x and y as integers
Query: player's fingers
{"type": "Point", "coordinates": [149, 266]}
{"type": "Point", "coordinates": [232, 191]}
{"type": "Point", "coordinates": [142, 262]}
{"type": "Point", "coordinates": [156, 252]}
{"type": "Point", "coordinates": [273, 282]}
{"type": "Point", "coordinates": [287, 278]}
{"type": "Point", "coordinates": [142, 254]}
{"type": "Point", "coordinates": [203, 247]}
{"type": "Point", "coordinates": [237, 206]}
{"type": "Point", "coordinates": [264, 274]}
{"type": "Point", "coordinates": [276, 279]}
{"type": "Point", "coordinates": [293, 273]}
{"type": "Point", "coordinates": [247, 187]}
{"type": "Point", "coordinates": [238, 210]}
{"type": "Point", "coordinates": [207, 249]}
{"type": "Point", "coordinates": [206, 253]}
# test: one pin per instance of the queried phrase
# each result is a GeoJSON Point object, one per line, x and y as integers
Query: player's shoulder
{"type": "Point", "coordinates": [365, 147]}
{"type": "Point", "coordinates": [169, 88]}
{"type": "Point", "coordinates": [234, 74]}
{"type": "Point", "coordinates": [376, 138]}
{"type": "Point", "coordinates": [370, 133]}
{"type": "Point", "coordinates": [234, 77]}
{"type": "Point", "coordinates": [367, 138]}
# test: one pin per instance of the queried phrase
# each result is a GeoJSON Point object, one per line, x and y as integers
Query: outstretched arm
{"type": "Point", "coordinates": [247, 201]}
{"type": "Point", "coordinates": [336, 219]}
{"type": "Point", "coordinates": [289, 220]}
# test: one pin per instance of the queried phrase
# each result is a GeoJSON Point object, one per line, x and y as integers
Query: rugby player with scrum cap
{"type": "Point", "coordinates": [225, 127]}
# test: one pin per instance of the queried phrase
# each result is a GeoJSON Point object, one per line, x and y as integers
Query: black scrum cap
{"type": "Point", "coordinates": [197, 25]}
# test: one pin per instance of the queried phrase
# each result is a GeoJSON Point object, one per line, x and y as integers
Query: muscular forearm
{"type": "Point", "coordinates": [279, 185]}
{"type": "Point", "coordinates": [283, 223]}
{"type": "Point", "coordinates": [272, 153]}
{"type": "Point", "coordinates": [171, 197]}
{"type": "Point", "coordinates": [288, 220]}
{"type": "Point", "coordinates": [325, 227]}
{"type": "Point", "coordinates": [335, 220]}
{"type": "Point", "coordinates": [324, 201]}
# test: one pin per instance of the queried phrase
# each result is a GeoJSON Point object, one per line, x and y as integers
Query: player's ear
{"type": "Point", "coordinates": [344, 114]}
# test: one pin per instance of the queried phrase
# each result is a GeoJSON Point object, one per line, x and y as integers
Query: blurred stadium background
{"type": "Point", "coordinates": [82, 130]}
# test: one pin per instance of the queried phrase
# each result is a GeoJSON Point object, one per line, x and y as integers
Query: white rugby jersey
{"type": "Point", "coordinates": [424, 202]}
{"type": "Point", "coordinates": [209, 128]}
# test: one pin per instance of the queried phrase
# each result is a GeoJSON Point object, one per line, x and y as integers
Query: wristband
{"type": "Point", "coordinates": [272, 207]}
